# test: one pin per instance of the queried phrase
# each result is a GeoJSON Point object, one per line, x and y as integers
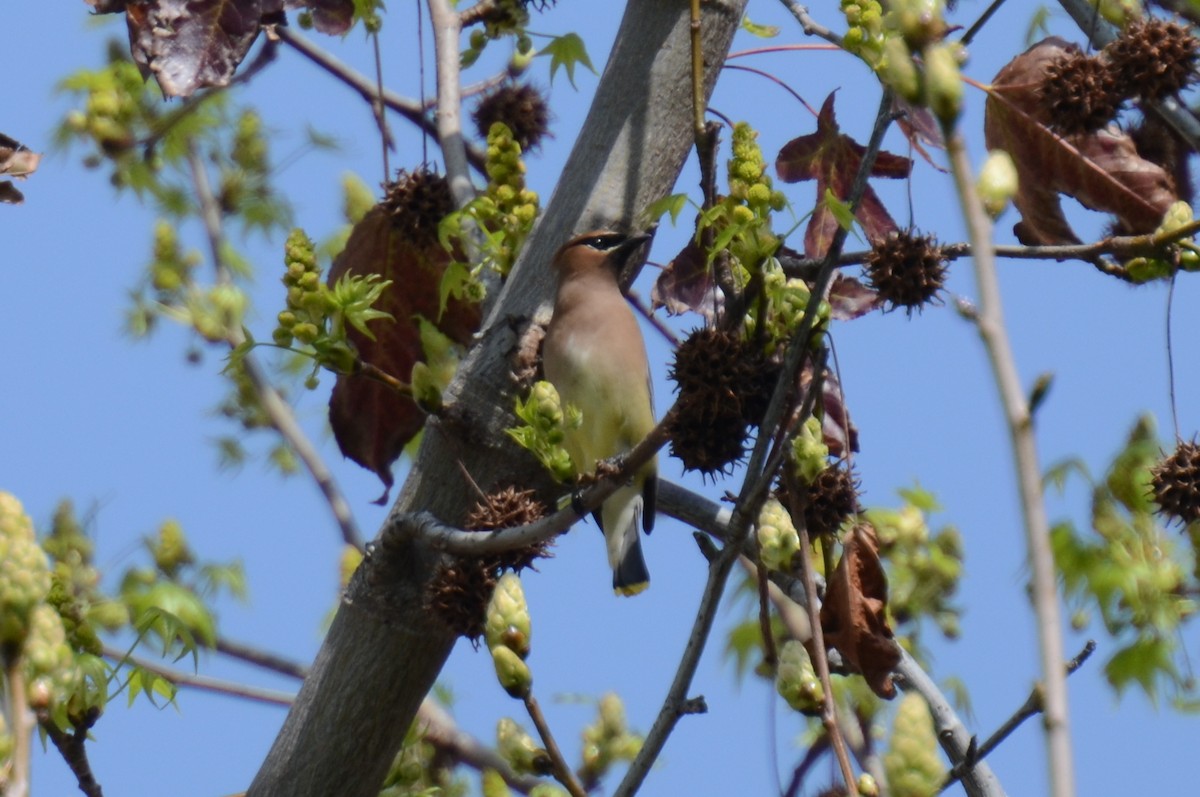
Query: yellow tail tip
{"type": "Point", "coordinates": [629, 590]}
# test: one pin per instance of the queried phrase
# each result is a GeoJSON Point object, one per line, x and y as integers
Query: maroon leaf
{"type": "Point", "coordinates": [190, 44]}
{"type": "Point", "coordinates": [687, 284]}
{"type": "Point", "coordinates": [371, 422]}
{"type": "Point", "coordinates": [1102, 169]}
{"type": "Point", "coordinates": [850, 299]}
{"type": "Point", "coordinates": [920, 128]}
{"type": "Point", "coordinates": [832, 159]}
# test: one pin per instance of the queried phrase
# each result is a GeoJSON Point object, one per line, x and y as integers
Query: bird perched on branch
{"type": "Point", "coordinates": [595, 357]}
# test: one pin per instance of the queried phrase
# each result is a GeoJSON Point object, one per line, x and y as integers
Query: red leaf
{"type": "Point", "coordinates": [190, 44]}
{"type": "Point", "coordinates": [854, 614]}
{"type": "Point", "coordinates": [370, 421]}
{"type": "Point", "coordinates": [850, 299]}
{"type": "Point", "coordinates": [687, 284]}
{"type": "Point", "coordinates": [832, 159]}
{"type": "Point", "coordinates": [1102, 170]}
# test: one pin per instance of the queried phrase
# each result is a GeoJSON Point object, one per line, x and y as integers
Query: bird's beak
{"type": "Point", "coordinates": [629, 246]}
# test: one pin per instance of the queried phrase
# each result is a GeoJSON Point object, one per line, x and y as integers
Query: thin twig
{"type": "Point", "coordinates": [644, 310]}
{"type": "Point", "coordinates": [1031, 707]}
{"type": "Point", "coordinates": [73, 748]}
{"type": "Point", "coordinates": [989, 320]}
{"type": "Point", "coordinates": [409, 109]}
{"type": "Point", "coordinates": [277, 410]}
{"type": "Point", "coordinates": [203, 683]}
{"type": "Point", "coordinates": [447, 28]}
{"type": "Point", "coordinates": [1171, 353]}
{"type": "Point", "coordinates": [385, 135]}
{"type": "Point", "coordinates": [562, 772]}
{"type": "Point", "coordinates": [977, 26]}
{"type": "Point", "coordinates": [22, 727]}
{"type": "Point", "coordinates": [261, 658]}
{"type": "Point", "coordinates": [809, 25]}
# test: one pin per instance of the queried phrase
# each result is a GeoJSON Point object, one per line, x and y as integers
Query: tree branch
{"type": "Point", "coordinates": [21, 725]}
{"type": "Point", "coordinates": [989, 320]}
{"type": "Point", "coordinates": [73, 748]}
{"type": "Point", "coordinates": [277, 410]}
{"type": "Point", "coordinates": [562, 772]}
{"type": "Point", "coordinates": [447, 28]}
{"type": "Point", "coordinates": [366, 88]}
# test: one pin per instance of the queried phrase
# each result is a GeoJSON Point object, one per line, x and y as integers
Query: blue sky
{"type": "Point", "coordinates": [126, 430]}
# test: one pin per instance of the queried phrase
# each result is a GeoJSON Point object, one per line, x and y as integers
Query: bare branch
{"type": "Point", "coordinates": [447, 28]}
{"type": "Point", "coordinates": [562, 772]}
{"type": "Point", "coordinates": [810, 26]}
{"type": "Point", "coordinates": [277, 410]}
{"type": "Point", "coordinates": [989, 320]}
{"type": "Point", "coordinates": [73, 748]}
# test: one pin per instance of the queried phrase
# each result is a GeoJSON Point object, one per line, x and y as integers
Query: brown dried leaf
{"type": "Point", "coordinates": [687, 284]}
{"type": "Point", "coordinates": [854, 614]}
{"type": "Point", "coordinates": [190, 44]}
{"type": "Point", "coordinates": [16, 160]}
{"type": "Point", "coordinates": [1102, 169]}
{"type": "Point", "coordinates": [832, 159]}
{"type": "Point", "coordinates": [371, 422]}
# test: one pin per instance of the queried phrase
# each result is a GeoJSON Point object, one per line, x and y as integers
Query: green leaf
{"type": "Point", "coordinates": [1058, 473]}
{"type": "Point", "coordinates": [567, 51]}
{"type": "Point", "coordinates": [841, 210]}
{"type": "Point", "coordinates": [761, 31]}
{"type": "Point", "coordinates": [672, 203]}
{"type": "Point", "coordinates": [1144, 662]}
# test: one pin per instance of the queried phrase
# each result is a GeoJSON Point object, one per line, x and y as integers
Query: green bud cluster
{"type": "Point", "coordinates": [545, 422]}
{"type": "Point", "coordinates": [170, 269]}
{"type": "Point", "coordinates": [519, 749]}
{"type": "Point", "coordinates": [607, 740]}
{"type": "Point", "coordinates": [924, 568]}
{"type": "Point", "coordinates": [1183, 254]}
{"type": "Point", "coordinates": [249, 143]}
{"type": "Point", "coordinates": [809, 453]}
{"type": "Point", "coordinates": [778, 541]}
{"type": "Point", "coordinates": [507, 207]}
{"type": "Point", "coordinates": [505, 18]}
{"type": "Point", "coordinates": [170, 549]}
{"type": "Point", "coordinates": [114, 108]}
{"type": "Point", "coordinates": [317, 316]}
{"type": "Point", "coordinates": [784, 309]}
{"type": "Point", "coordinates": [24, 572]}
{"type": "Point", "coordinates": [866, 35]}
{"type": "Point", "coordinates": [796, 681]}
{"type": "Point", "coordinates": [912, 763]}
{"type": "Point", "coordinates": [50, 668]}
{"type": "Point", "coordinates": [508, 631]}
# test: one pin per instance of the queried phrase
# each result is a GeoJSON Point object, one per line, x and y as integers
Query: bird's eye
{"type": "Point", "coordinates": [603, 242]}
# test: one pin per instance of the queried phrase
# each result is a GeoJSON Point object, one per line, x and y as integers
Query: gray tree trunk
{"type": "Point", "coordinates": [384, 651]}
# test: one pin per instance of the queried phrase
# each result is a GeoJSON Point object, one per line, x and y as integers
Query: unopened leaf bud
{"type": "Point", "coordinates": [899, 71]}
{"type": "Point", "coordinates": [778, 541]}
{"type": "Point", "coordinates": [520, 750]}
{"type": "Point", "coordinates": [943, 82]}
{"type": "Point", "coordinates": [796, 680]}
{"type": "Point", "coordinates": [508, 622]}
{"type": "Point", "coordinates": [998, 182]}
{"type": "Point", "coordinates": [513, 673]}
{"type": "Point", "coordinates": [809, 452]}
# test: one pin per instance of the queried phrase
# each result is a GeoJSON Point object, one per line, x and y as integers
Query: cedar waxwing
{"type": "Point", "coordinates": [595, 357]}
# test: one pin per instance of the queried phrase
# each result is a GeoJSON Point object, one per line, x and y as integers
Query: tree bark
{"type": "Point", "coordinates": [384, 649]}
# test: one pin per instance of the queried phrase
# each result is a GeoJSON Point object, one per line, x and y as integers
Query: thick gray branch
{"type": "Point", "coordinates": [384, 650]}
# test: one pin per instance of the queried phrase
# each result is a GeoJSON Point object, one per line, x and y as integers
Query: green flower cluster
{"type": "Point", "coordinates": [607, 740]}
{"type": "Point", "coordinates": [924, 567]}
{"type": "Point", "coordinates": [809, 453]}
{"type": "Point", "coordinates": [508, 630]}
{"type": "Point", "coordinates": [866, 35]}
{"type": "Point", "coordinates": [317, 315]}
{"type": "Point", "coordinates": [543, 428]}
{"type": "Point", "coordinates": [1182, 254]}
{"type": "Point", "coordinates": [786, 302]}
{"type": "Point", "coordinates": [504, 18]}
{"type": "Point", "coordinates": [24, 572]}
{"type": "Point", "coordinates": [507, 207]}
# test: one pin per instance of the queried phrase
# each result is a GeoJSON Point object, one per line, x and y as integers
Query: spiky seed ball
{"type": "Point", "coordinates": [418, 201]}
{"type": "Point", "coordinates": [519, 106]}
{"type": "Point", "coordinates": [504, 509]}
{"type": "Point", "coordinates": [1079, 93]}
{"type": "Point", "coordinates": [832, 497]}
{"type": "Point", "coordinates": [1153, 58]}
{"type": "Point", "coordinates": [907, 270]}
{"type": "Point", "coordinates": [719, 385]}
{"type": "Point", "coordinates": [1176, 483]}
{"type": "Point", "coordinates": [459, 592]}
{"type": "Point", "coordinates": [716, 366]}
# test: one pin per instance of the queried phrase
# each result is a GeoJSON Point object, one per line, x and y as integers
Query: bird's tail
{"type": "Point", "coordinates": [619, 519]}
{"type": "Point", "coordinates": [630, 575]}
